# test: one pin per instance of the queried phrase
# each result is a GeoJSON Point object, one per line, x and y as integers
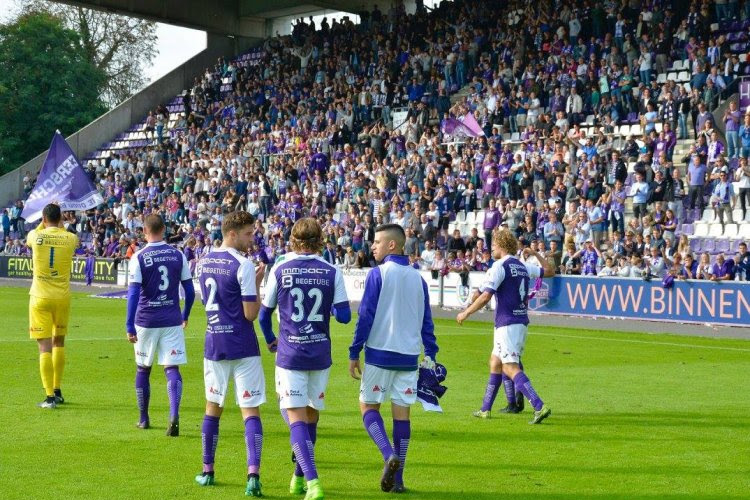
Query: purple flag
{"type": "Point", "coordinates": [471, 123]}
{"type": "Point", "coordinates": [455, 129]}
{"type": "Point", "coordinates": [62, 180]}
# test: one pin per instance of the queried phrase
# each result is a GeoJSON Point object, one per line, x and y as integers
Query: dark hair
{"type": "Point", "coordinates": [154, 223]}
{"type": "Point", "coordinates": [235, 221]}
{"type": "Point", "coordinates": [395, 232]}
{"type": "Point", "coordinates": [52, 213]}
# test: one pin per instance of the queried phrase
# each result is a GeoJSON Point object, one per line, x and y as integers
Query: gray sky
{"type": "Point", "coordinates": [175, 45]}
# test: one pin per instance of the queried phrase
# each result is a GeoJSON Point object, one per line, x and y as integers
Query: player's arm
{"type": "Point", "coordinates": [186, 279]}
{"type": "Point", "coordinates": [547, 267]}
{"type": "Point", "coordinates": [367, 308]}
{"type": "Point", "coordinates": [341, 309]}
{"type": "Point", "coordinates": [492, 280]}
{"type": "Point", "coordinates": [265, 318]}
{"type": "Point", "coordinates": [248, 278]}
{"type": "Point", "coordinates": [428, 329]}
{"type": "Point", "coordinates": [134, 293]}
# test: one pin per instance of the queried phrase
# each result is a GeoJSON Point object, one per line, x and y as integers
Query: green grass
{"type": "Point", "coordinates": [634, 415]}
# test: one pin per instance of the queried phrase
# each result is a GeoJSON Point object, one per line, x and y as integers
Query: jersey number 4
{"type": "Point", "coordinates": [299, 301]}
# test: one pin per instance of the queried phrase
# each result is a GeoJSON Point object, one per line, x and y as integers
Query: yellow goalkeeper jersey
{"type": "Point", "coordinates": [52, 252]}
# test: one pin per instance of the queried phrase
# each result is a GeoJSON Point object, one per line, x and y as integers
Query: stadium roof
{"type": "Point", "coordinates": [249, 18]}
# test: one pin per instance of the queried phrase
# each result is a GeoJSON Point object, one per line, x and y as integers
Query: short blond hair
{"type": "Point", "coordinates": [307, 236]}
{"type": "Point", "coordinates": [504, 239]}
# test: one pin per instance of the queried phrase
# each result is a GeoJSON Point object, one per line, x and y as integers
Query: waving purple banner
{"type": "Point", "coordinates": [466, 126]}
{"type": "Point", "coordinates": [62, 180]}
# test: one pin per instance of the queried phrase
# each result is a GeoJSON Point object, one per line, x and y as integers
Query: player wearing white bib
{"type": "Point", "coordinates": [307, 290]}
{"type": "Point", "coordinates": [229, 282]}
{"type": "Point", "coordinates": [508, 280]}
{"type": "Point", "coordinates": [395, 322]}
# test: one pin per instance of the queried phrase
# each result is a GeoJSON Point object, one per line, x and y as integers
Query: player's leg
{"type": "Point", "coordinates": [519, 394]}
{"type": "Point", "coordinates": [40, 329]}
{"type": "Point", "coordinates": [250, 385]}
{"type": "Point", "coordinates": [403, 395]}
{"type": "Point", "coordinates": [513, 345]}
{"type": "Point", "coordinates": [375, 385]}
{"type": "Point", "coordinates": [60, 317]}
{"type": "Point", "coordinates": [58, 365]}
{"type": "Point", "coordinates": [493, 385]}
{"type": "Point", "coordinates": [292, 387]}
{"type": "Point", "coordinates": [171, 349]}
{"type": "Point", "coordinates": [145, 351]}
{"type": "Point", "coordinates": [216, 380]}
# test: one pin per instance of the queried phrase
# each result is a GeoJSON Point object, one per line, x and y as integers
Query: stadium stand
{"type": "Point", "coordinates": [591, 116]}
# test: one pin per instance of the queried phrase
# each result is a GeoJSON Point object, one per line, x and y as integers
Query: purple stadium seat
{"type": "Point", "coordinates": [708, 245]}
{"type": "Point", "coordinates": [722, 245]}
{"type": "Point", "coordinates": [695, 244]}
{"type": "Point", "coordinates": [687, 229]}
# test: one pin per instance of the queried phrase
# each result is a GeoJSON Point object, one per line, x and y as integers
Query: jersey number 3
{"type": "Point", "coordinates": [299, 302]}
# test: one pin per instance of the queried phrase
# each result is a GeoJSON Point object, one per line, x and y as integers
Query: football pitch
{"type": "Point", "coordinates": [634, 416]}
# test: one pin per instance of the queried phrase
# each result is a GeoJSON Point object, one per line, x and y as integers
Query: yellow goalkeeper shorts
{"type": "Point", "coordinates": [48, 317]}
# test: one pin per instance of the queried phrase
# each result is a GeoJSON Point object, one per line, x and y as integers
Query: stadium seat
{"type": "Point", "coordinates": [715, 230]}
{"type": "Point", "coordinates": [636, 130]}
{"type": "Point", "coordinates": [744, 232]}
{"type": "Point", "coordinates": [708, 245]}
{"type": "Point", "coordinates": [479, 217]}
{"type": "Point", "coordinates": [737, 214]}
{"type": "Point", "coordinates": [701, 229]}
{"type": "Point", "coordinates": [470, 218]}
{"type": "Point", "coordinates": [708, 215]}
{"type": "Point", "coordinates": [658, 126]}
{"type": "Point", "coordinates": [695, 244]}
{"type": "Point", "coordinates": [451, 227]}
{"type": "Point", "coordinates": [683, 76]}
{"type": "Point", "coordinates": [730, 231]}
{"type": "Point", "coordinates": [722, 245]}
{"type": "Point", "coordinates": [460, 217]}
{"type": "Point", "coordinates": [670, 76]}
{"type": "Point", "coordinates": [688, 229]}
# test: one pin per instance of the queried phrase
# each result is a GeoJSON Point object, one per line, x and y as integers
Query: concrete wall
{"type": "Point", "coordinates": [107, 126]}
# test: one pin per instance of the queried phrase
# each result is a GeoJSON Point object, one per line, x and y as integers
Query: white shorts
{"type": "Point", "coordinates": [298, 388]}
{"type": "Point", "coordinates": [510, 341]}
{"type": "Point", "coordinates": [378, 382]}
{"type": "Point", "coordinates": [249, 381]}
{"type": "Point", "coordinates": [168, 342]}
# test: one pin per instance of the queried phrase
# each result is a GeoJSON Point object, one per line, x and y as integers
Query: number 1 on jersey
{"type": "Point", "coordinates": [52, 257]}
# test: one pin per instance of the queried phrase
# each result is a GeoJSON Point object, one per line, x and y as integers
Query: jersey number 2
{"type": "Point", "coordinates": [211, 304]}
{"type": "Point", "coordinates": [299, 310]}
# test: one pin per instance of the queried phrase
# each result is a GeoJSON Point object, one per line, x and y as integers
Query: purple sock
{"type": "Point", "coordinates": [143, 390]}
{"type": "Point", "coordinates": [312, 430]}
{"type": "Point", "coordinates": [401, 437]}
{"type": "Point", "coordinates": [510, 389]}
{"type": "Point", "coordinates": [285, 416]}
{"type": "Point", "coordinates": [523, 384]}
{"type": "Point", "coordinates": [493, 384]}
{"type": "Point", "coordinates": [303, 449]}
{"type": "Point", "coordinates": [253, 443]}
{"type": "Point", "coordinates": [174, 391]}
{"type": "Point", "coordinates": [376, 429]}
{"type": "Point", "coordinates": [209, 440]}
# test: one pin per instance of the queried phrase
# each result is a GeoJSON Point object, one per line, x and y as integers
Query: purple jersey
{"type": "Point", "coordinates": [227, 279]}
{"type": "Point", "coordinates": [508, 279]}
{"type": "Point", "coordinates": [159, 268]}
{"type": "Point", "coordinates": [305, 288]}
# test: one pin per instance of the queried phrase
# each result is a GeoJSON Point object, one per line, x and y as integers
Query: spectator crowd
{"type": "Point", "coordinates": [308, 130]}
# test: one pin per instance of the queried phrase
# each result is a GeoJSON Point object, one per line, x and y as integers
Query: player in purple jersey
{"type": "Point", "coordinates": [306, 289]}
{"type": "Point", "coordinates": [154, 322]}
{"type": "Point", "coordinates": [395, 323]}
{"type": "Point", "coordinates": [508, 280]}
{"type": "Point", "coordinates": [229, 282]}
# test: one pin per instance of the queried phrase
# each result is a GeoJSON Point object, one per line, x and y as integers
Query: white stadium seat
{"type": "Point", "coordinates": [701, 230]}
